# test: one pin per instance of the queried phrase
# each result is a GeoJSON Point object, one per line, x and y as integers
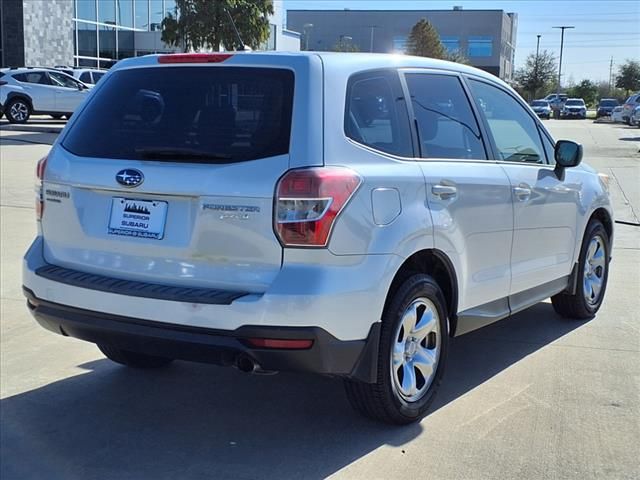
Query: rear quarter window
{"type": "Point", "coordinates": [221, 114]}
{"type": "Point", "coordinates": [376, 114]}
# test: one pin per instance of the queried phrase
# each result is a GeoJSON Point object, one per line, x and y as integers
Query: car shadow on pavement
{"type": "Point", "coordinates": [28, 138]}
{"type": "Point", "coordinates": [199, 421]}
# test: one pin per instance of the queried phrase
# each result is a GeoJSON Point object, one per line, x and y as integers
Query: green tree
{"type": "Point", "coordinates": [538, 73]}
{"type": "Point", "coordinates": [205, 24]}
{"type": "Point", "coordinates": [457, 56]}
{"type": "Point", "coordinates": [424, 41]}
{"type": "Point", "coordinates": [629, 76]}
{"type": "Point", "coordinates": [345, 45]}
{"type": "Point", "coordinates": [586, 89]}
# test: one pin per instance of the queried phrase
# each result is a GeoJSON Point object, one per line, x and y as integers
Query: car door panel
{"type": "Point", "coordinates": [468, 196]}
{"type": "Point", "coordinates": [545, 207]}
{"type": "Point", "coordinates": [544, 226]}
{"type": "Point", "coordinates": [37, 85]}
{"type": "Point", "coordinates": [67, 94]}
{"type": "Point", "coordinates": [473, 226]}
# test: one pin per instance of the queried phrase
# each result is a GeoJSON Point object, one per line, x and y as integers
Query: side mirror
{"type": "Point", "coordinates": [567, 154]}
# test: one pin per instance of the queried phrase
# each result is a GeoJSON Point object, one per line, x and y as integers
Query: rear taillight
{"type": "Point", "coordinates": [308, 201]}
{"type": "Point", "coordinates": [40, 169]}
{"type": "Point", "coordinates": [194, 58]}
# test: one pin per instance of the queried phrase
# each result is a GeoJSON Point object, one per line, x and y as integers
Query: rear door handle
{"type": "Point", "coordinates": [522, 192]}
{"type": "Point", "coordinates": [444, 191]}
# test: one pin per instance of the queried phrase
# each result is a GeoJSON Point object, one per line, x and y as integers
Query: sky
{"type": "Point", "coordinates": [603, 28]}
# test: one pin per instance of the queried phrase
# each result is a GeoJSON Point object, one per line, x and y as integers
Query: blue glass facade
{"type": "Point", "coordinates": [105, 29]}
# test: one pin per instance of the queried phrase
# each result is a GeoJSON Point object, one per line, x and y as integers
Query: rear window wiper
{"type": "Point", "coordinates": [168, 154]}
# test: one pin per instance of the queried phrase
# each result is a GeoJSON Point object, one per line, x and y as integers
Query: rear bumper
{"type": "Point", "coordinates": [327, 355]}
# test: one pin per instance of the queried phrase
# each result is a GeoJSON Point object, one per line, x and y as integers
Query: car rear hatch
{"type": "Point", "coordinates": [168, 174]}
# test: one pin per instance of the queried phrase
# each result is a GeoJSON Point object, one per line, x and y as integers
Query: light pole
{"type": "Point", "coordinates": [535, 70]}
{"type": "Point", "coordinates": [307, 28]}
{"type": "Point", "coordinates": [563, 28]}
{"type": "Point", "coordinates": [372, 27]}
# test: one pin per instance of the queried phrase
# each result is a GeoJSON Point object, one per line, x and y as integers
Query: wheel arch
{"type": "Point", "coordinates": [604, 217]}
{"type": "Point", "coordinates": [20, 95]}
{"type": "Point", "coordinates": [437, 265]}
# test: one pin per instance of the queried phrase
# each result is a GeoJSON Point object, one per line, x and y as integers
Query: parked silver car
{"type": "Point", "coordinates": [27, 91]}
{"type": "Point", "coordinates": [341, 214]}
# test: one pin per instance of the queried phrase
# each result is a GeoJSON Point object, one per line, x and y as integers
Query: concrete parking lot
{"type": "Point", "coordinates": [534, 396]}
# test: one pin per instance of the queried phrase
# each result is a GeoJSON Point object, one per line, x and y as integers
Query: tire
{"type": "Point", "coordinates": [587, 301]}
{"type": "Point", "coordinates": [17, 110]}
{"type": "Point", "coordinates": [387, 400]}
{"type": "Point", "coordinates": [57, 116]}
{"type": "Point", "coordinates": [133, 359]}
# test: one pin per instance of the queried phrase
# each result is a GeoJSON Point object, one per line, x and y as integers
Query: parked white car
{"type": "Point", "coordinates": [28, 91]}
{"type": "Point", "coordinates": [616, 114]}
{"type": "Point", "coordinates": [342, 214]}
{"type": "Point", "coordinates": [88, 76]}
{"type": "Point", "coordinates": [635, 117]}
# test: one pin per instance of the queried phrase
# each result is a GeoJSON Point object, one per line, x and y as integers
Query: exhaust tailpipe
{"type": "Point", "coordinates": [246, 364]}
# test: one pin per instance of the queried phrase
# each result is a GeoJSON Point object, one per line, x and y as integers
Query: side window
{"type": "Point", "coordinates": [447, 127]}
{"type": "Point", "coordinates": [549, 148]}
{"type": "Point", "coordinates": [97, 76]}
{"type": "Point", "coordinates": [33, 77]}
{"type": "Point", "coordinates": [61, 80]}
{"type": "Point", "coordinates": [376, 113]}
{"type": "Point", "coordinates": [514, 131]}
{"type": "Point", "coordinates": [86, 77]}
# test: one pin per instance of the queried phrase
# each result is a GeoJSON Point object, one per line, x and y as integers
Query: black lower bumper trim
{"type": "Point", "coordinates": [138, 289]}
{"type": "Point", "coordinates": [354, 359]}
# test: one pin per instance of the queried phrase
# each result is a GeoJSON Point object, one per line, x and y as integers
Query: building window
{"type": "Point", "coordinates": [480, 46]}
{"type": "Point", "coordinates": [156, 15]}
{"type": "Point", "coordinates": [400, 44]}
{"type": "Point", "coordinates": [169, 7]}
{"type": "Point", "coordinates": [125, 13]}
{"type": "Point", "coordinates": [107, 11]}
{"type": "Point", "coordinates": [142, 14]}
{"type": "Point", "coordinates": [86, 10]}
{"type": "Point", "coordinates": [107, 38]}
{"type": "Point", "coordinates": [87, 39]}
{"type": "Point", "coordinates": [452, 44]}
{"type": "Point", "coordinates": [125, 44]}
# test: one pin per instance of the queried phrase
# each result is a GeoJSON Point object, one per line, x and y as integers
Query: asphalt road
{"type": "Point", "coordinates": [533, 396]}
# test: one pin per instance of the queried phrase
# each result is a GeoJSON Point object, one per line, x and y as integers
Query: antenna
{"type": "Point", "coordinates": [233, 24]}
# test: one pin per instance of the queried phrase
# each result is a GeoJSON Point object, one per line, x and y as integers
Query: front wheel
{"type": "Point", "coordinates": [133, 359]}
{"type": "Point", "coordinates": [414, 341]}
{"type": "Point", "coordinates": [593, 273]}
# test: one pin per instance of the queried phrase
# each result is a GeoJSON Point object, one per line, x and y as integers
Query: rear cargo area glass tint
{"type": "Point", "coordinates": [189, 114]}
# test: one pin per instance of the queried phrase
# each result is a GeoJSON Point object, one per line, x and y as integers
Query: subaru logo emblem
{"type": "Point", "coordinates": [130, 177]}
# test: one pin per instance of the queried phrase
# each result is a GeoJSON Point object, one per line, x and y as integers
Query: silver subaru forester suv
{"type": "Point", "coordinates": [342, 214]}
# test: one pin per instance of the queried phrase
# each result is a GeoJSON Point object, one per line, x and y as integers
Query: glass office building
{"type": "Point", "coordinates": [105, 30]}
{"type": "Point", "coordinates": [98, 33]}
{"type": "Point", "coordinates": [485, 37]}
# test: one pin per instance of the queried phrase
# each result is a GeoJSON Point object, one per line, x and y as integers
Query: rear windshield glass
{"type": "Point", "coordinates": [190, 114]}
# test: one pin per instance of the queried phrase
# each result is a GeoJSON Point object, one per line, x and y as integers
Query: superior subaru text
{"type": "Point", "coordinates": [342, 214]}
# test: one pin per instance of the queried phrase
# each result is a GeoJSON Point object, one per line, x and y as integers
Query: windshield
{"type": "Point", "coordinates": [539, 103]}
{"type": "Point", "coordinates": [190, 114]}
{"type": "Point", "coordinates": [575, 103]}
{"type": "Point", "coordinates": [608, 103]}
